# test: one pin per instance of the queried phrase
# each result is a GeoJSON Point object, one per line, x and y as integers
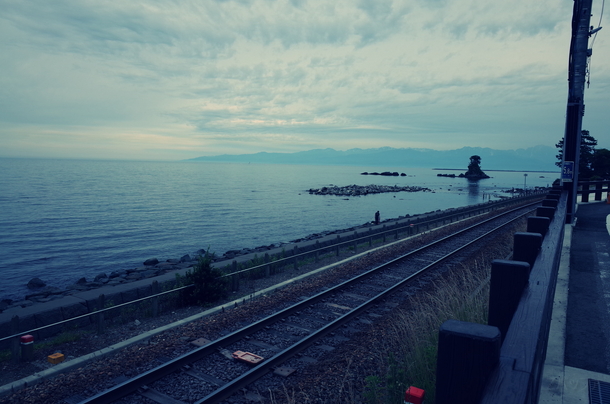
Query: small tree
{"type": "Point", "coordinates": [601, 164]}
{"type": "Point", "coordinates": [209, 286]}
{"type": "Point", "coordinates": [475, 163]}
{"type": "Point", "coordinates": [587, 150]}
{"type": "Point", "coordinates": [474, 169]}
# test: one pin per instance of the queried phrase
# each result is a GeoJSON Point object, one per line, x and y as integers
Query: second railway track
{"type": "Point", "coordinates": [301, 332]}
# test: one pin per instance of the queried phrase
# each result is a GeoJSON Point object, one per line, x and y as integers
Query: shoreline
{"type": "Point", "coordinates": [154, 267]}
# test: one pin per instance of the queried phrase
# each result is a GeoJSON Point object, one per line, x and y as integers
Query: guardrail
{"type": "Point", "coordinates": [105, 309]}
{"type": "Point", "coordinates": [502, 362]}
{"type": "Point", "coordinates": [270, 265]}
{"type": "Point", "coordinates": [586, 188]}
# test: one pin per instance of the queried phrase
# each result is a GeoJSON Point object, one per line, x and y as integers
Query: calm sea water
{"type": "Point", "coordinates": [65, 219]}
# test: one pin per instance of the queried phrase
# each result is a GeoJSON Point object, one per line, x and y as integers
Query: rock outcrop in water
{"type": "Point", "coordinates": [385, 174]}
{"type": "Point", "coordinates": [359, 190]}
{"type": "Point", "coordinates": [474, 170]}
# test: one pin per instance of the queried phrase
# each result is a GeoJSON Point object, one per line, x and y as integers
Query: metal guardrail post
{"type": "Point", "coordinates": [15, 345]}
{"type": "Point", "coordinates": [155, 300]}
{"type": "Point", "coordinates": [338, 241]}
{"type": "Point", "coordinates": [101, 301]}
{"type": "Point", "coordinates": [235, 277]}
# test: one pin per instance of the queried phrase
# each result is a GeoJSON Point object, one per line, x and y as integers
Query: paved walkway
{"type": "Point", "coordinates": [579, 348]}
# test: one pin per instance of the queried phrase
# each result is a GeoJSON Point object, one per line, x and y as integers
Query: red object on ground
{"type": "Point", "coordinates": [247, 357]}
{"type": "Point", "coordinates": [414, 395]}
{"type": "Point", "coordinates": [25, 339]}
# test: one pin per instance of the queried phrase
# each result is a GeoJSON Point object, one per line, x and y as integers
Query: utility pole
{"type": "Point", "coordinates": [577, 72]}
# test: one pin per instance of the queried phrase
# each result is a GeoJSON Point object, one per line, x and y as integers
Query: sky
{"type": "Point", "coordinates": [172, 80]}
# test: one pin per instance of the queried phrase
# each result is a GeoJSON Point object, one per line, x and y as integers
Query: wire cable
{"type": "Point", "coordinates": [599, 24]}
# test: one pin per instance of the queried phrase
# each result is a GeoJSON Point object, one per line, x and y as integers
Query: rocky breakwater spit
{"type": "Point", "coordinates": [150, 268]}
{"type": "Point", "coordinates": [360, 190]}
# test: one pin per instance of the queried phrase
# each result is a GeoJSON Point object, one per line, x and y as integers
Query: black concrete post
{"type": "Point", "coordinates": [598, 191]}
{"type": "Point", "coordinates": [508, 279]}
{"type": "Point", "coordinates": [553, 196]}
{"type": "Point", "coordinates": [526, 247]}
{"type": "Point", "coordinates": [546, 211]}
{"type": "Point", "coordinates": [538, 224]}
{"type": "Point", "coordinates": [585, 191]}
{"type": "Point", "coordinates": [467, 353]}
{"type": "Point", "coordinates": [550, 202]}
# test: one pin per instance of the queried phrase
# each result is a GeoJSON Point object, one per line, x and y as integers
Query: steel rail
{"type": "Point", "coordinates": [131, 385]}
{"type": "Point", "coordinates": [254, 374]}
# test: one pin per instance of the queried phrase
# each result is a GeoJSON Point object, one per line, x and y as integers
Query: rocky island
{"type": "Point", "coordinates": [474, 169]}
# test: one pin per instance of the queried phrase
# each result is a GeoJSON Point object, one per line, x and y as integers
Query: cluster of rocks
{"type": "Point", "coordinates": [42, 293]}
{"type": "Point", "coordinates": [359, 190]}
{"type": "Point", "coordinates": [385, 173]}
{"type": "Point", "coordinates": [469, 176]}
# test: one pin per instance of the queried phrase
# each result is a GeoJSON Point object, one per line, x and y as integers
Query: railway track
{"type": "Point", "coordinates": [303, 332]}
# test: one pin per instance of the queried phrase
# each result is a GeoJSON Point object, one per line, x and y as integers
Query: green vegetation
{"type": "Point", "coordinates": [63, 338]}
{"type": "Point", "coordinates": [5, 355]}
{"type": "Point", "coordinates": [412, 343]}
{"type": "Point", "coordinates": [209, 286]}
{"type": "Point", "coordinates": [593, 164]}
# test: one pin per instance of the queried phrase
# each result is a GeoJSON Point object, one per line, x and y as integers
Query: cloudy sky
{"type": "Point", "coordinates": [171, 80]}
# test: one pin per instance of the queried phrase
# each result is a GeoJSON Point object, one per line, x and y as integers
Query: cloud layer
{"type": "Point", "coordinates": [167, 80]}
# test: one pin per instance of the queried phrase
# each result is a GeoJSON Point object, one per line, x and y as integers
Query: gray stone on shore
{"type": "Point", "coordinates": [36, 283]}
{"type": "Point", "coordinates": [151, 261]}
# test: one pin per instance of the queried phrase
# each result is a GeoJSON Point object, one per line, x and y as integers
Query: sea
{"type": "Point", "coordinates": [61, 220]}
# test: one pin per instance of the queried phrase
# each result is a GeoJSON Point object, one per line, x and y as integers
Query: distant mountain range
{"type": "Point", "coordinates": [537, 158]}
